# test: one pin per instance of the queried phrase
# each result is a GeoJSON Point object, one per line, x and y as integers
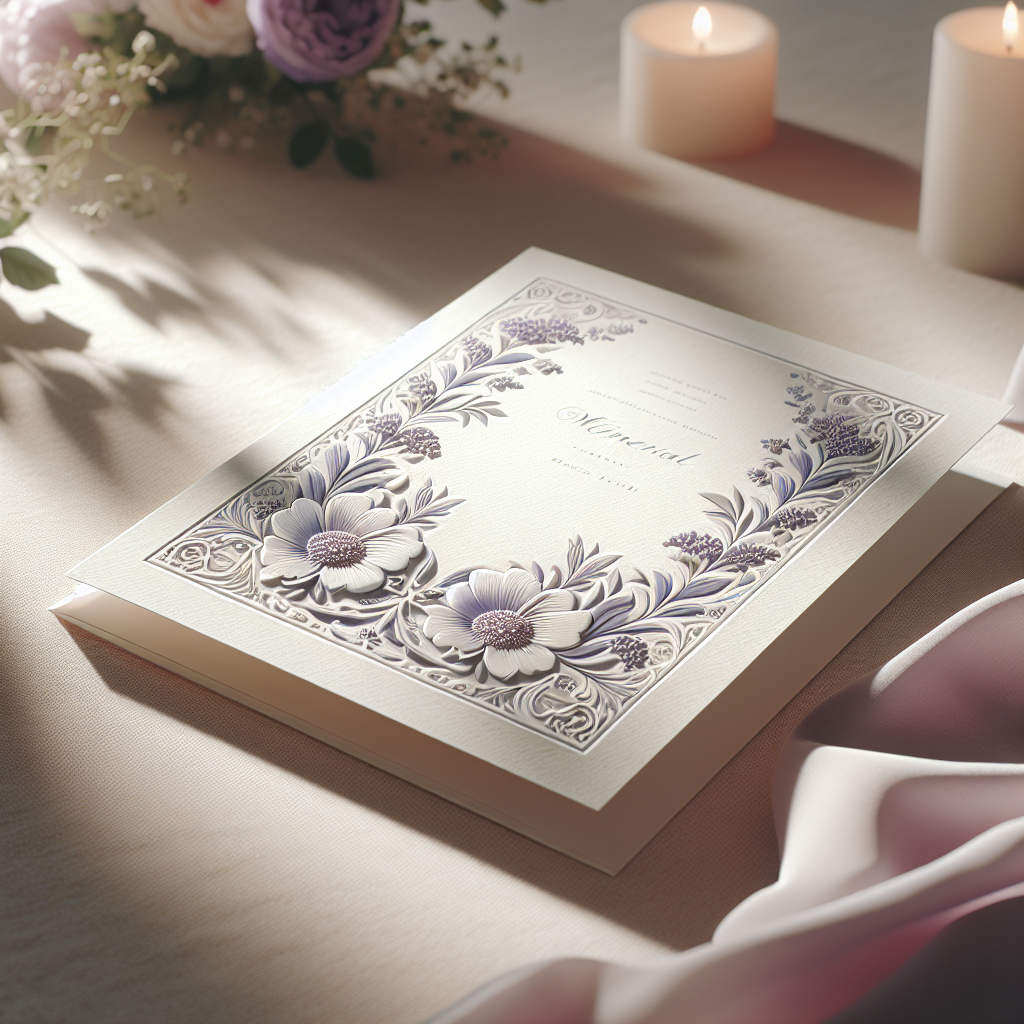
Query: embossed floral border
{"type": "Point", "coordinates": [564, 651]}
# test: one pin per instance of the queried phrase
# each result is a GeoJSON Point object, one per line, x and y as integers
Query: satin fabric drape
{"type": "Point", "coordinates": [899, 806]}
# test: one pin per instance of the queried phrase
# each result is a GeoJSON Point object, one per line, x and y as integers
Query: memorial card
{"type": "Point", "coordinates": [554, 522]}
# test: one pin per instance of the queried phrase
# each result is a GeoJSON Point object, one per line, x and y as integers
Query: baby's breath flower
{"type": "Point", "coordinates": [144, 42]}
{"type": "Point", "coordinates": [84, 100]}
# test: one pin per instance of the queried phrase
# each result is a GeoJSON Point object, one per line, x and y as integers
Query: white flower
{"type": "Point", "coordinates": [209, 29]}
{"type": "Point", "coordinates": [507, 614]}
{"type": "Point", "coordinates": [348, 543]}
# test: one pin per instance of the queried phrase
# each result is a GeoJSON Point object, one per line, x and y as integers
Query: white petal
{"type": "Point", "coordinates": [290, 568]}
{"type": "Point", "coordinates": [312, 483]}
{"type": "Point", "coordinates": [517, 587]}
{"type": "Point", "coordinates": [344, 510]}
{"type": "Point", "coordinates": [447, 628]}
{"type": "Point", "coordinates": [558, 630]}
{"type": "Point", "coordinates": [462, 598]}
{"type": "Point", "coordinates": [332, 461]}
{"type": "Point", "coordinates": [373, 520]}
{"type": "Point", "coordinates": [357, 579]}
{"type": "Point", "coordinates": [298, 523]}
{"type": "Point", "coordinates": [550, 601]}
{"type": "Point", "coordinates": [500, 663]}
{"type": "Point", "coordinates": [409, 534]}
{"type": "Point", "coordinates": [440, 616]}
{"type": "Point", "coordinates": [392, 552]}
{"type": "Point", "coordinates": [277, 548]}
{"type": "Point", "coordinates": [533, 659]}
{"type": "Point", "coordinates": [486, 587]}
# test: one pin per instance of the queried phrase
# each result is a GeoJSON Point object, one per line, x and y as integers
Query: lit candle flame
{"type": "Point", "coordinates": [1009, 25]}
{"type": "Point", "coordinates": [702, 26]}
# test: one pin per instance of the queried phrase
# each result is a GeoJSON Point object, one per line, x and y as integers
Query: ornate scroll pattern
{"type": "Point", "coordinates": [335, 539]}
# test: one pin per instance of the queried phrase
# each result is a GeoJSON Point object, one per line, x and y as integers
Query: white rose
{"type": "Point", "coordinates": [209, 28]}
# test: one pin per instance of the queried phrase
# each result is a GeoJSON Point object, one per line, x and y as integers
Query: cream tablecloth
{"type": "Point", "coordinates": [170, 856]}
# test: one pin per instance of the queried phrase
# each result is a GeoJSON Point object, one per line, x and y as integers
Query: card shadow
{"type": "Point", "coordinates": [76, 390]}
{"type": "Point", "coordinates": [422, 233]}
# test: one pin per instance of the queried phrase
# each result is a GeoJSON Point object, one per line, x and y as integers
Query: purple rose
{"type": "Point", "coordinates": [321, 40]}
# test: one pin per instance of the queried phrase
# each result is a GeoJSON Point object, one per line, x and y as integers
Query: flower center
{"type": "Point", "coordinates": [502, 629]}
{"type": "Point", "coordinates": [335, 549]}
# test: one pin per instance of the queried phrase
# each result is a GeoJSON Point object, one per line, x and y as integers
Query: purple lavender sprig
{"type": "Point", "coordinates": [795, 518]}
{"type": "Point", "coordinates": [421, 385]}
{"type": "Point", "coordinates": [776, 445]}
{"type": "Point", "coordinates": [702, 547]}
{"type": "Point", "coordinates": [804, 413]}
{"type": "Point", "coordinates": [761, 477]}
{"type": "Point", "coordinates": [421, 441]}
{"type": "Point", "coordinates": [554, 330]}
{"type": "Point", "coordinates": [547, 366]}
{"type": "Point", "coordinates": [750, 556]}
{"type": "Point", "coordinates": [385, 424]}
{"type": "Point", "coordinates": [840, 436]}
{"type": "Point", "coordinates": [632, 652]}
{"type": "Point", "coordinates": [477, 351]}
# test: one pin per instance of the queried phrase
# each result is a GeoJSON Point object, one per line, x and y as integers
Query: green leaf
{"type": "Point", "coordinates": [8, 227]}
{"type": "Point", "coordinates": [188, 72]}
{"type": "Point", "coordinates": [307, 144]}
{"type": "Point", "coordinates": [94, 26]}
{"type": "Point", "coordinates": [26, 270]}
{"type": "Point", "coordinates": [355, 156]}
{"type": "Point", "coordinates": [494, 6]}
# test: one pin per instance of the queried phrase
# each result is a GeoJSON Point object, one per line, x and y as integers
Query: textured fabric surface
{"type": "Point", "coordinates": [898, 805]}
{"type": "Point", "coordinates": [171, 856]}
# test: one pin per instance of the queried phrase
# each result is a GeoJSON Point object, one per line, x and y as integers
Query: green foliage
{"type": "Point", "coordinates": [235, 100]}
{"type": "Point", "coordinates": [117, 31]}
{"type": "Point", "coordinates": [419, 85]}
{"type": "Point", "coordinates": [90, 98]}
{"type": "Point", "coordinates": [355, 156]}
{"type": "Point", "coordinates": [8, 227]}
{"type": "Point", "coordinates": [25, 269]}
{"type": "Point", "coordinates": [307, 144]}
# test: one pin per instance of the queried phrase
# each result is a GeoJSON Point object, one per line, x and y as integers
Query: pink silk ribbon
{"type": "Point", "coordinates": [898, 805]}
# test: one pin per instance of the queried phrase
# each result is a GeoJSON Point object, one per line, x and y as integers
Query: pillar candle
{"type": "Point", "coordinates": [698, 81]}
{"type": "Point", "coordinates": [972, 182]}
